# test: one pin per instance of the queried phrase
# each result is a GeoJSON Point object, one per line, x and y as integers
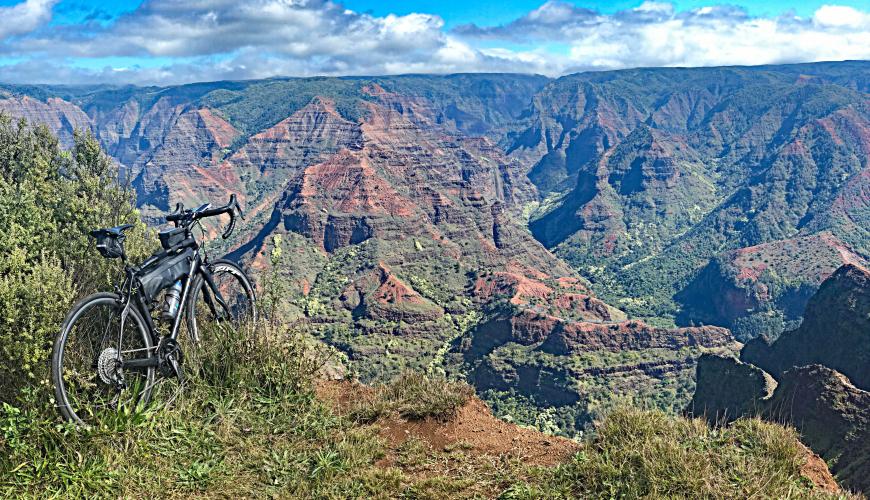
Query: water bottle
{"type": "Point", "coordinates": [172, 300]}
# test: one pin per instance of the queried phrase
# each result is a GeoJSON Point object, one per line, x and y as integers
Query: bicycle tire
{"type": "Point", "coordinates": [140, 339]}
{"type": "Point", "coordinates": [218, 267]}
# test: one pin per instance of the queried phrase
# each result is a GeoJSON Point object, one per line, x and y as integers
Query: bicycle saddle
{"type": "Point", "coordinates": [111, 231]}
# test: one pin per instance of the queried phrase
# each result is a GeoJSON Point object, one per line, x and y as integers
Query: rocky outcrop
{"type": "Point", "coordinates": [822, 404]}
{"type": "Point", "coordinates": [566, 299]}
{"type": "Point", "coordinates": [821, 374]}
{"type": "Point", "coordinates": [574, 367]}
{"type": "Point", "coordinates": [395, 300]}
{"type": "Point", "coordinates": [835, 331]}
{"type": "Point", "coordinates": [728, 389]}
{"type": "Point", "coordinates": [832, 417]}
{"type": "Point", "coordinates": [576, 337]}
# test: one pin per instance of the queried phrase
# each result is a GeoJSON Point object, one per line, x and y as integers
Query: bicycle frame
{"type": "Point", "coordinates": [198, 266]}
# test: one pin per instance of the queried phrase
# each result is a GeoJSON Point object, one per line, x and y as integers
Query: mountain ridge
{"type": "Point", "coordinates": [406, 213]}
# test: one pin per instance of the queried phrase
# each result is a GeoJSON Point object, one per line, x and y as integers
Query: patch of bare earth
{"type": "Point", "coordinates": [474, 440]}
{"type": "Point", "coordinates": [474, 429]}
{"type": "Point", "coordinates": [816, 470]}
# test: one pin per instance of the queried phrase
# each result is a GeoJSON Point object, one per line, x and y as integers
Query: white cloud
{"type": "Point", "coordinates": [227, 39]}
{"type": "Point", "coordinates": [658, 7]}
{"type": "Point", "coordinates": [24, 17]}
{"type": "Point", "coordinates": [840, 16]}
{"type": "Point", "coordinates": [655, 34]}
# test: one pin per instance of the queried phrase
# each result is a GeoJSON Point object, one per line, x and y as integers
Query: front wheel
{"type": "Point", "coordinates": [236, 291]}
{"type": "Point", "coordinates": [88, 357]}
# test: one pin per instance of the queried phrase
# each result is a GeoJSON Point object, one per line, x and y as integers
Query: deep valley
{"type": "Point", "coordinates": [563, 244]}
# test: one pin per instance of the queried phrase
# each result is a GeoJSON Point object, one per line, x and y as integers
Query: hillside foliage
{"type": "Point", "coordinates": [49, 200]}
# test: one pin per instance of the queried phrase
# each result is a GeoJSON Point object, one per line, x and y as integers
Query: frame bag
{"type": "Point", "coordinates": [172, 237]}
{"type": "Point", "coordinates": [163, 273]}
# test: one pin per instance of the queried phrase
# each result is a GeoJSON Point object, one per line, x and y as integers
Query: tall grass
{"type": "Point", "coordinates": [247, 422]}
{"type": "Point", "coordinates": [648, 454]}
{"type": "Point", "coordinates": [414, 396]}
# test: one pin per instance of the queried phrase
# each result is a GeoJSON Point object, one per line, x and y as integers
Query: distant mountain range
{"type": "Point", "coordinates": [544, 237]}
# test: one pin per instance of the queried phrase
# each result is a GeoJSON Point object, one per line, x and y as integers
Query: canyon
{"type": "Point", "coordinates": [562, 243]}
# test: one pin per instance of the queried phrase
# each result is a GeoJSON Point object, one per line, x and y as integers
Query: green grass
{"type": "Point", "coordinates": [647, 454]}
{"type": "Point", "coordinates": [250, 425]}
{"type": "Point", "coordinates": [413, 395]}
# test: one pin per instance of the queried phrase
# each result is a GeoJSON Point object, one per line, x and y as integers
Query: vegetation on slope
{"type": "Point", "coordinates": [667, 168]}
{"type": "Point", "coordinates": [571, 393]}
{"type": "Point", "coordinates": [250, 424]}
{"type": "Point", "coordinates": [49, 200]}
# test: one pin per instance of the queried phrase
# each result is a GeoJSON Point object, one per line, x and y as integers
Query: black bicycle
{"type": "Point", "coordinates": [111, 353]}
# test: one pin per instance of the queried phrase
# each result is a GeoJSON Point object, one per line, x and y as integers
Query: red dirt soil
{"type": "Point", "coordinates": [816, 470]}
{"type": "Point", "coordinates": [474, 427]}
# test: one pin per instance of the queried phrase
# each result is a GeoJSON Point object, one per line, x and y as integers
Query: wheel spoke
{"type": "Point", "coordinates": [87, 370]}
{"type": "Point", "coordinates": [236, 291]}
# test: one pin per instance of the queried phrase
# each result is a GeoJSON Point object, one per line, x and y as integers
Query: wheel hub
{"type": "Point", "coordinates": [109, 366]}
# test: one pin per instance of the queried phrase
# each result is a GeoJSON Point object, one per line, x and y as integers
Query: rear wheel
{"type": "Point", "coordinates": [86, 370]}
{"type": "Point", "coordinates": [237, 292]}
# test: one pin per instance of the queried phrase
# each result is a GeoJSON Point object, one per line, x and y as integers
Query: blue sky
{"type": "Point", "coordinates": [456, 12]}
{"type": "Point", "coordinates": [176, 41]}
{"type": "Point", "coordinates": [497, 12]}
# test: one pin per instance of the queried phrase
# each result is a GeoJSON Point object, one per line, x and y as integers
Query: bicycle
{"type": "Point", "coordinates": [109, 353]}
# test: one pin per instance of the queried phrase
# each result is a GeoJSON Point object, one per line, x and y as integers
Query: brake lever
{"type": "Point", "coordinates": [230, 227]}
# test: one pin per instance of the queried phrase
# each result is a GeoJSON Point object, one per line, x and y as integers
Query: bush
{"type": "Point", "coordinates": [49, 200]}
{"type": "Point", "coordinates": [31, 304]}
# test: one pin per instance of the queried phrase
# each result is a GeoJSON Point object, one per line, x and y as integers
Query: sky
{"type": "Point", "coordinates": [163, 42]}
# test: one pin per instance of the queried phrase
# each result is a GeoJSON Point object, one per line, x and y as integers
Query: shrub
{"type": "Point", "coordinates": [31, 305]}
{"type": "Point", "coordinates": [49, 200]}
